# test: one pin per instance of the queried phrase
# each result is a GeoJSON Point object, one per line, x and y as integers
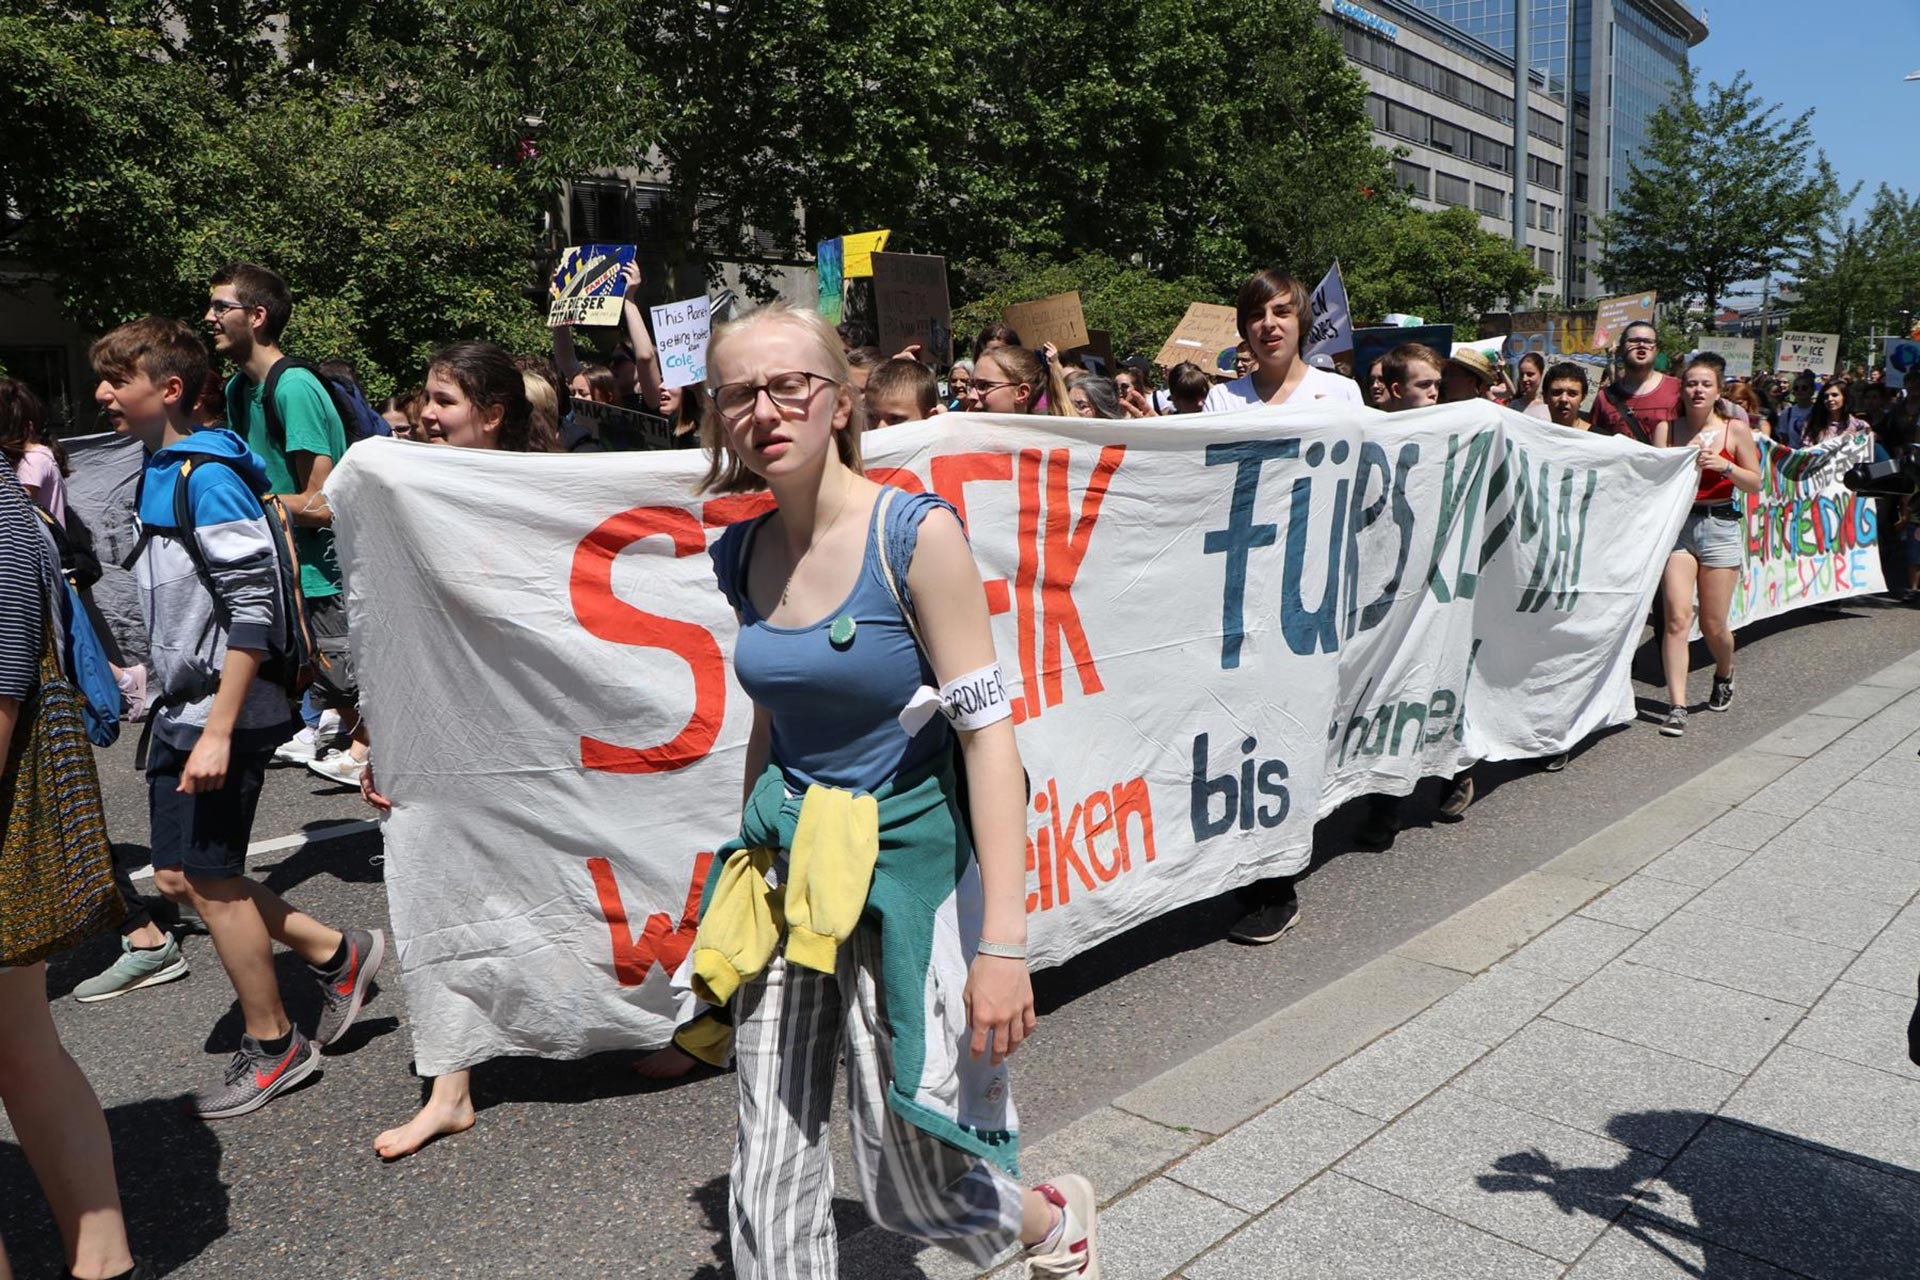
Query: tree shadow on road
{"type": "Point", "coordinates": [1736, 1193]}
{"type": "Point", "coordinates": [170, 1190]}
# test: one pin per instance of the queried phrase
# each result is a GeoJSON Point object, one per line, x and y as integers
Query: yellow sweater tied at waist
{"type": "Point", "coordinates": [829, 872]}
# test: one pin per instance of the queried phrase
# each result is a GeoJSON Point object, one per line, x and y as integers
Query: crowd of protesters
{"type": "Point", "coordinates": [783, 408]}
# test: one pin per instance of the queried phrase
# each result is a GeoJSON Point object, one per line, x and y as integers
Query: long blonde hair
{"type": "Point", "coordinates": [726, 473]}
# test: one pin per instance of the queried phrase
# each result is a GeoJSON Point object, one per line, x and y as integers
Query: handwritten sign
{"type": "Point", "coordinates": [680, 331]}
{"type": "Point", "coordinates": [586, 287]}
{"type": "Point", "coordinates": [1202, 334]}
{"type": "Point", "coordinates": [1807, 353]}
{"type": "Point", "coordinates": [1331, 331]}
{"type": "Point", "coordinates": [1058, 320]}
{"type": "Point", "coordinates": [1737, 352]}
{"type": "Point", "coordinates": [1615, 314]}
{"type": "Point", "coordinates": [910, 299]}
{"type": "Point", "coordinates": [857, 252]}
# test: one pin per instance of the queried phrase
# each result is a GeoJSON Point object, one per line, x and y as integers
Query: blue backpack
{"type": "Point", "coordinates": [87, 660]}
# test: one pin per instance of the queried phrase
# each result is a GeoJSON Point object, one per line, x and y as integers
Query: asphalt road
{"type": "Point", "coordinates": [582, 1169]}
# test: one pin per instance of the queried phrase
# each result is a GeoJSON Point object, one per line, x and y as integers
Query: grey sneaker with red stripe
{"type": "Point", "coordinates": [1073, 1252]}
{"type": "Point", "coordinates": [255, 1077]}
{"type": "Point", "coordinates": [345, 990]}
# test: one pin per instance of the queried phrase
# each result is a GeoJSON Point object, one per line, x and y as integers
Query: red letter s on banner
{"type": "Point", "coordinates": [608, 617]}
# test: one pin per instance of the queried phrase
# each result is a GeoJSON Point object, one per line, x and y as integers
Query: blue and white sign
{"type": "Point", "coordinates": [1902, 361]}
{"type": "Point", "coordinates": [680, 332]}
{"type": "Point", "coordinates": [1361, 18]}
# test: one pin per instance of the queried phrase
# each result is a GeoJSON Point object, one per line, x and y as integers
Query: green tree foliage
{"type": "Point", "coordinates": [1441, 266]}
{"type": "Point", "coordinates": [1862, 275]}
{"type": "Point", "coordinates": [1727, 190]}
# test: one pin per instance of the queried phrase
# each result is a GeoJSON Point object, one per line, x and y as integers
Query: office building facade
{"type": "Point", "coordinates": [1440, 79]}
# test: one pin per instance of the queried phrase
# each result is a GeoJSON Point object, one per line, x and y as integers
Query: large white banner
{"type": "Point", "coordinates": [1215, 629]}
{"type": "Point", "coordinates": [1808, 539]}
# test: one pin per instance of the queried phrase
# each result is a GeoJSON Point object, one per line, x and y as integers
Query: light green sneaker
{"type": "Point", "coordinates": [133, 970]}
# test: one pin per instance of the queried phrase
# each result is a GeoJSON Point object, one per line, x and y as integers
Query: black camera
{"type": "Point", "coordinates": [1894, 477]}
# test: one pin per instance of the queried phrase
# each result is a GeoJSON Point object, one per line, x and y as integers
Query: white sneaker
{"type": "Point", "coordinates": [340, 767]}
{"type": "Point", "coordinates": [1075, 1254]}
{"type": "Point", "coordinates": [301, 748]}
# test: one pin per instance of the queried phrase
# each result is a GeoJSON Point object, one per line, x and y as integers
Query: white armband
{"type": "Point", "coordinates": [975, 700]}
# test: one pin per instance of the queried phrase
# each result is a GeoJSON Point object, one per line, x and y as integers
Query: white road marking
{"type": "Point", "coordinates": [319, 835]}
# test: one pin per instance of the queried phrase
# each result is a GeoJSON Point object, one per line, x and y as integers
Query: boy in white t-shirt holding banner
{"type": "Point", "coordinates": [1272, 311]}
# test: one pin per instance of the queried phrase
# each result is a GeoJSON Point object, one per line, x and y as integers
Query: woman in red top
{"type": "Point", "coordinates": [1708, 557]}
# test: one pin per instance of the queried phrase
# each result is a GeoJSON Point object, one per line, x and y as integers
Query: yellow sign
{"type": "Point", "coordinates": [858, 251]}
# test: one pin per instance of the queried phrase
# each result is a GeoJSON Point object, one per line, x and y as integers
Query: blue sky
{"type": "Point", "coordinates": [1846, 59]}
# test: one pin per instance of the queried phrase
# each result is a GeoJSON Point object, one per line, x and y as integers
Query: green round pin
{"type": "Point", "coordinates": [840, 634]}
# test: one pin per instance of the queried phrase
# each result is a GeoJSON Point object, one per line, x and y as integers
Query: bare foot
{"type": "Point", "coordinates": [669, 1063]}
{"type": "Point", "coordinates": [437, 1119]}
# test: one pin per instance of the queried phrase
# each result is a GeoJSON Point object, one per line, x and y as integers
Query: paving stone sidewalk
{"type": "Point", "coordinates": [1679, 1049]}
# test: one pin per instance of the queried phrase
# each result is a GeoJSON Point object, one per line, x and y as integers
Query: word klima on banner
{"type": "Point", "coordinates": [1543, 510]}
{"type": "Point", "coordinates": [1053, 532]}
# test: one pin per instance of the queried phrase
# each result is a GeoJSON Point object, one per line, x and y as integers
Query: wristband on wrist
{"type": "Point", "coordinates": [1005, 950]}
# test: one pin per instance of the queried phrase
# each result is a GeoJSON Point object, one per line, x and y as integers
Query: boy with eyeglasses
{"type": "Point", "coordinates": [1642, 399]}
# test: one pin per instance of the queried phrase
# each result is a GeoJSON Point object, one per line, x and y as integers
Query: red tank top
{"type": "Point", "coordinates": [1717, 486]}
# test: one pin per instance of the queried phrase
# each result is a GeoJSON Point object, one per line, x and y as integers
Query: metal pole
{"type": "Point", "coordinates": [1522, 80]}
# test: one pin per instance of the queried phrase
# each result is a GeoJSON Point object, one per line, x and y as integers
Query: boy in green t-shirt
{"type": "Point", "coordinates": [247, 308]}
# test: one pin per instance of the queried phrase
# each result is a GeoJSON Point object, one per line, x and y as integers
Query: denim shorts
{"type": "Point", "coordinates": [1717, 542]}
{"type": "Point", "coordinates": [206, 834]}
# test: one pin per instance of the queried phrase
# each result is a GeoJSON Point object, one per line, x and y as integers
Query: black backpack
{"type": "Point", "coordinates": [356, 415]}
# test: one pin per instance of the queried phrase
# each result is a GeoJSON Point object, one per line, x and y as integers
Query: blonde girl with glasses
{"type": "Point", "coordinates": [863, 910]}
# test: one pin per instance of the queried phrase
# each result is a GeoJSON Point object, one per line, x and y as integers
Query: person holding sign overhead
{"type": "Point", "coordinates": [1709, 556]}
{"type": "Point", "coordinates": [1271, 311]}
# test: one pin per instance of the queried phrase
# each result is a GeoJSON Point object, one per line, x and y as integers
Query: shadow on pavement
{"type": "Point", "coordinates": [1736, 1193]}
{"type": "Point", "coordinates": [353, 859]}
{"type": "Point", "coordinates": [170, 1189]}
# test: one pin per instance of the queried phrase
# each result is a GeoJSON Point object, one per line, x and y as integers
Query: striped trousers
{"type": "Point", "coordinates": [790, 1028]}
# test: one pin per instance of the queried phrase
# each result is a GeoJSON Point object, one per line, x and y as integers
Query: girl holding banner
{"type": "Point", "coordinates": [476, 398]}
{"type": "Point", "coordinates": [851, 914]}
{"type": "Point", "coordinates": [1707, 560]}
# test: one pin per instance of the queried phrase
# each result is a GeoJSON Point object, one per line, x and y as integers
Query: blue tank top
{"type": "Point", "coordinates": [834, 708]}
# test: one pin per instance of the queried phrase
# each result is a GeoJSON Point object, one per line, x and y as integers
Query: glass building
{"type": "Point", "coordinates": [1601, 68]}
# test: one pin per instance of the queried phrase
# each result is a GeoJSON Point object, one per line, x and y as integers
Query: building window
{"type": "Point", "coordinates": [1377, 112]}
{"type": "Point", "coordinates": [1494, 155]}
{"type": "Point", "coordinates": [1543, 173]}
{"type": "Point", "coordinates": [1544, 257]}
{"type": "Point", "coordinates": [1548, 217]}
{"type": "Point", "coordinates": [1448, 189]}
{"type": "Point", "coordinates": [1450, 138]}
{"type": "Point", "coordinates": [1543, 126]}
{"type": "Point", "coordinates": [1412, 176]}
{"type": "Point", "coordinates": [1580, 185]}
{"type": "Point", "coordinates": [1533, 213]}
{"type": "Point", "coordinates": [1405, 122]}
{"type": "Point", "coordinates": [1489, 200]}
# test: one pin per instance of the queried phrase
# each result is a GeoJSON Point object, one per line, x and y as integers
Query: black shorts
{"type": "Point", "coordinates": [207, 834]}
{"type": "Point", "coordinates": [336, 686]}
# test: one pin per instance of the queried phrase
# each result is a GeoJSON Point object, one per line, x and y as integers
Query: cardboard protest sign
{"type": "Point", "coordinates": [623, 430]}
{"type": "Point", "coordinates": [1286, 608]}
{"type": "Point", "coordinates": [1736, 351]}
{"type": "Point", "coordinates": [680, 332]}
{"type": "Point", "coordinates": [1057, 319]}
{"type": "Point", "coordinates": [829, 264]}
{"type": "Point", "coordinates": [1370, 344]}
{"type": "Point", "coordinates": [1553, 335]}
{"type": "Point", "coordinates": [1807, 353]}
{"type": "Point", "coordinates": [1615, 314]}
{"type": "Point", "coordinates": [1331, 330]}
{"type": "Point", "coordinates": [910, 300]}
{"type": "Point", "coordinates": [1901, 358]}
{"type": "Point", "coordinates": [1202, 334]}
{"type": "Point", "coordinates": [856, 253]}
{"type": "Point", "coordinates": [586, 288]}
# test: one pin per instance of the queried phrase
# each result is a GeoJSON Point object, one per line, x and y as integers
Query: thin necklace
{"type": "Point", "coordinates": [818, 538]}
